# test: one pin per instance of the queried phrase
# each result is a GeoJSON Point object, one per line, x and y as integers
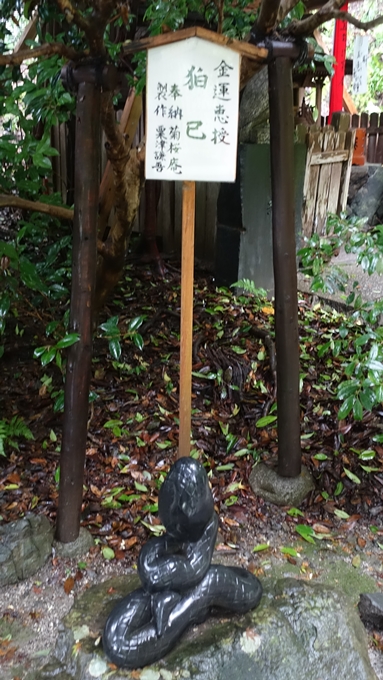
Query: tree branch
{"type": "Point", "coordinates": [309, 24]}
{"type": "Point", "coordinates": [10, 201]}
{"type": "Point", "coordinates": [93, 27]}
{"type": "Point", "coordinates": [46, 50]}
{"type": "Point", "coordinates": [72, 15]}
{"type": "Point", "coordinates": [285, 7]}
{"type": "Point", "coordinates": [363, 25]}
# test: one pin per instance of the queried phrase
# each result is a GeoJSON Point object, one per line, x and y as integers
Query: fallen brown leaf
{"type": "Point", "coordinates": [69, 584]}
{"type": "Point", "coordinates": [321, 529]}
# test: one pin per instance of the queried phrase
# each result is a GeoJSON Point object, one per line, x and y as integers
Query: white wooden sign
{"type": "Point", "coordinates": [359, 70]}
{"type": "Point", "coordinates": [192, 99]}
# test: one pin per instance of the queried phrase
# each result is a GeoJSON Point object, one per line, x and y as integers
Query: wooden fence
{"type": "Point", "coordinates": [327, 176]}
{"type": "Point", "coordinates": [373, 124]}
{"type": "Point", "coordinates": [169, 209]}
{"type": "Point", "coordinates": [328, 168]}
{"type": "Point", "coordinates": [169, 219]}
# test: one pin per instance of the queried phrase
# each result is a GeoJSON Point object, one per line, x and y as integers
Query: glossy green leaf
{"type": "Point", "coordinates": [238, 350]}
{"type": "Point", "coordinates": [111, 326]}
{"type": "Point", "coordinates": [295, 512]}
{"type": "Point", "coordinates": [68, 340]}
{"type": "Point", "coordinates": [305, 532]}
{"type": "Point", "coordinates": [138, 341]}
{"type": "Point", "coordinates": [115, 348]}
{"type": "Point", "coordinates": [231, 500]}
{"type": "Point", "coordinates": [368, 469]}
{"type": "Point", "coordinates": [357, 409]}
{"type": "Point", "coordinates": [48, 356]}
{"type": "Point", "coordinates": [242, 452]}
{"type": "Point", "coordinates": [346, 407]}
{"type": "Point", "coordinates": [266, 420]}
{"type": "Point", "coordinates": [58, 404]}
{"type": "Point", "coordinates": [261, 547]}
{"type": "Point", "coordinates": [347, 388]}
{"type": "Point", "coordinates": [140, 487]}
{"type": "Point", "coordinates": [285, 550]}
{"type": "Point", "coordinates": [351, 476]}
{"type": "Point", "coordinates": [135, 323]}
{"type": "Point", "coordinates": [156, 529]}
{"type": "Point", "coordinates": [39, 351]}
{"type": "Point", "coordinates": [107, 553]}
{"type": "Point", "coordinates": [30, 276]}
{"type": "Point", "coordinates": [5, 302]}
{"type": "Point", "coordinates": [112, 423]}
{"type": "Point", "coordinates": [369, 454]}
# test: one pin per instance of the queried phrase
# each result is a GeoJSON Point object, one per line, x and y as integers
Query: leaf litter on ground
{"type": "Point", "coordinates": [133, 426]}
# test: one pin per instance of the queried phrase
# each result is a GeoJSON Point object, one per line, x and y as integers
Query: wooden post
{"type": "Point", "coordinates": [186, 342]}
{"type": "Point", "coordinates": [84, 257]}
{"type": "Point", "coordinates": [285, 267]}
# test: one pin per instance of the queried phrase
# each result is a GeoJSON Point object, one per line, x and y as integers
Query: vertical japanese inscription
{"type": "Point", "coordinates": [359, 74]}
{"type": "Point", "coordinates": [192, 114]}
{"type": "Point", "coordinates": [167, 135]}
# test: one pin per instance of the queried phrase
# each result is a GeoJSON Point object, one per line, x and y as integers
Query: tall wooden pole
{"type": "Point", "coordinates": [87, 180]}
{"type": "Point", "coordinates": [285, 267]}
{"type": "Point", "coordinates": [186, 342]}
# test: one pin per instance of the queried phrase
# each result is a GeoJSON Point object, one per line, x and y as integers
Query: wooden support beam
{"type": "Point", "coordinates": [285, 267]}
{"type": "Point", "coordinates": [258, 54]}
{"type": "Point", "coordinates": [78, 372]}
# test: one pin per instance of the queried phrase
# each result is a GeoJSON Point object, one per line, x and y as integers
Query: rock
{"type": "Point", "coordinates": [76, 548]}
{"type": "Point", "coordinates": [358, 178]}
{"type": "Point", "coordinates": [300, 631]}
{"type": "Point", "coordinates": [269, 485]}
{"type": "Point", "coordinates": [367, 200]}
{"type": "Point", "coordinates": [254, 110]}
{"type": "Point", "coordinates": [370, 608]}
{"type": "Point", "coordinates": [25, 545]}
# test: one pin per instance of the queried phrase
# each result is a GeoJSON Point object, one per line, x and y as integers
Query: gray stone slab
{"type": "Point", "coordinates": [300, 631]}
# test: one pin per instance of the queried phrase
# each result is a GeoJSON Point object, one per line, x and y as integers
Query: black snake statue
{"type": "Point", "coordinates": [179, 585]}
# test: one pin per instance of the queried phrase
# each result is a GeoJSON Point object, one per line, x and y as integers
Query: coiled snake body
{"type": "Point", "coordinates": [179, 584]}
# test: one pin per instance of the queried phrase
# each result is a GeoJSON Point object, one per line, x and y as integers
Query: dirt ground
{"type": "Point", "coordinates": [132, 440]}
{"type": "Point", "coordinates": [350, 557]}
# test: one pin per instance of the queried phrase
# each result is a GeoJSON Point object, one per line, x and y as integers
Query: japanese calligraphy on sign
{"type": "Point", "coordinates": [359, 71]}
{"type": "Point", "coordinates": [192, 99]}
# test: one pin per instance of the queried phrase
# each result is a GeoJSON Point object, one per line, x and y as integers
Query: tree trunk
{"type": "Point", "coordinates": [128, 171]}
